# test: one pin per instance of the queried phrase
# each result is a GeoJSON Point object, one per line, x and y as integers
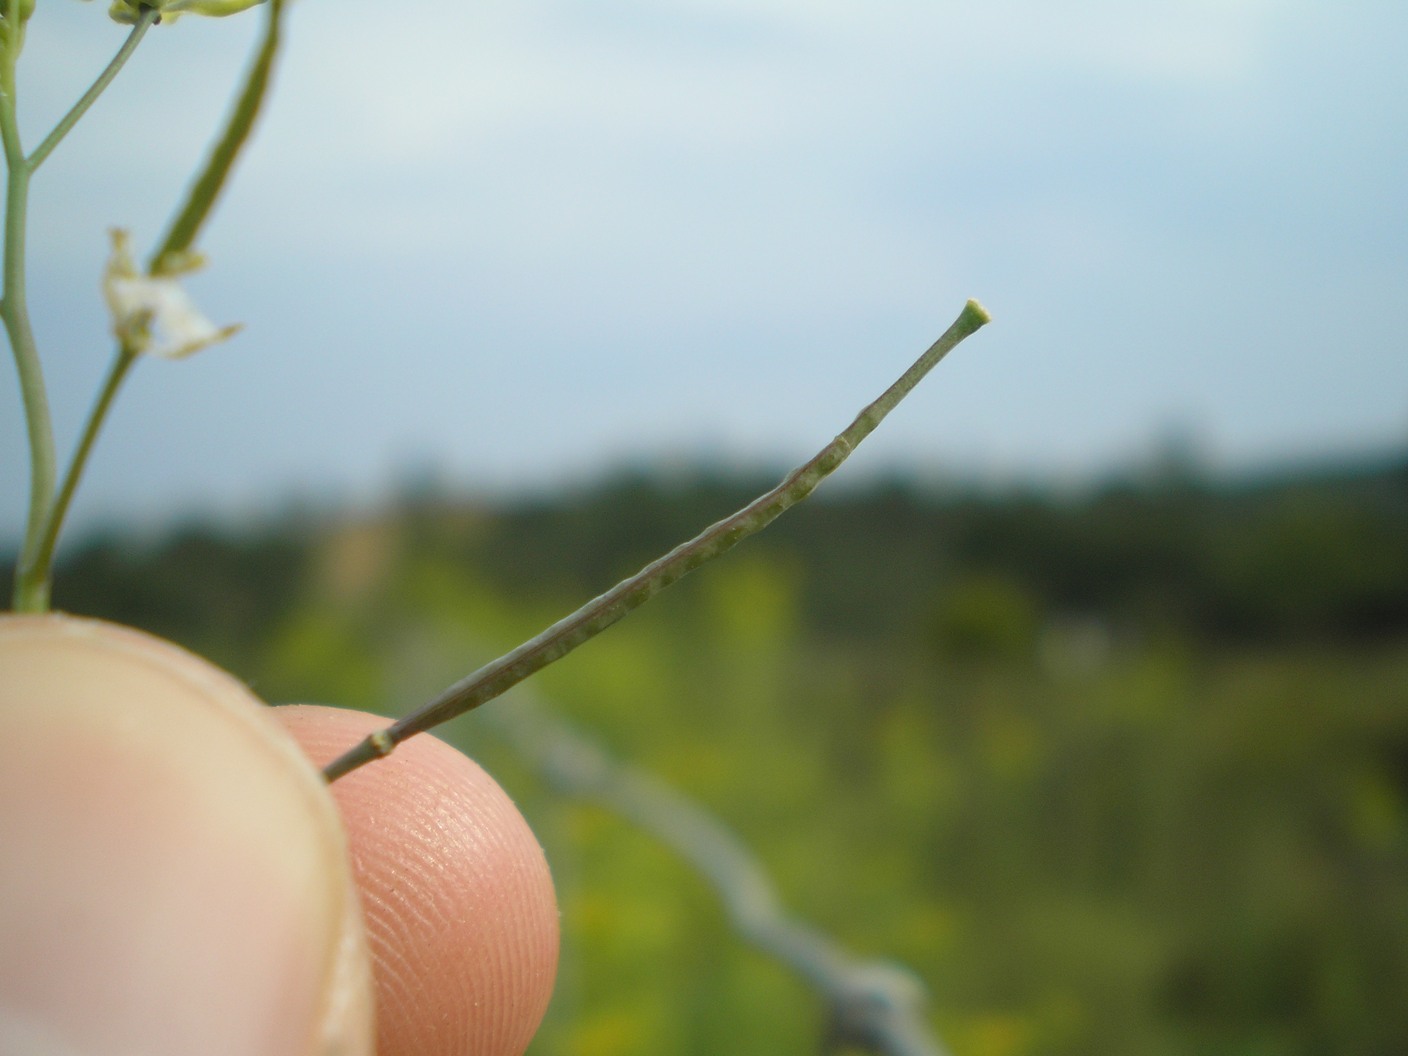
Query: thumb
{"type": "Point", "coordinates": [173, 876]}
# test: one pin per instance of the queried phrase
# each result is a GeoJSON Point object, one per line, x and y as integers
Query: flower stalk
{"type": "Point", "coordinates": [30, 594]}
{"type": "Point", "coordinates": [147, 18]}
{"type": "Point", "coordinates": [151, 312]}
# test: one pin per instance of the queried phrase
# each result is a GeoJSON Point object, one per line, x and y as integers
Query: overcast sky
{"type": "Point", "coordinates": [525, 241]}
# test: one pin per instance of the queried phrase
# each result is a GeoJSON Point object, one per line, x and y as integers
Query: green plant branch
{"type": "Point", "coordinates": [595, 616]}
{"type": "Point", "coordinates": [14, 309]}
{"type": "Point", "coordinates": [35, 572]}
{"type": "Point", "coordinates": [31, 592]}
{"type": "Point", "coordinates": [201, 198]}
{"type": "Point", "coordinates": [58, 510]}
{"type": "Point", "coordinates": [145, 21]}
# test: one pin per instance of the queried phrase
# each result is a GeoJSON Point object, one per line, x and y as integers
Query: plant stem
{"type": "Point", "coordinates": [32, 574]}
{"type": "Point", "coordinates": [595, 616]}
{"type": "Point", "coordinates": [36, 570]}
{"type": "Point", "coordinates": [200, 199]}
{"type": "Point", "coordinates": [31, 593]}
{"type": "Point", "coordinates": [44, 557]}
{"type": "Point", "coordinates": [144, 22]}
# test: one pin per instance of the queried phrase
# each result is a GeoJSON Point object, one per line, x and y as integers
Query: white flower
{"type": "Point", "coordinates": [153, 314]}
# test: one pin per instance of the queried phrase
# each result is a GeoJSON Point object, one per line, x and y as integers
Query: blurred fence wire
{"type": "Point", "coordinates": [874, 1006]}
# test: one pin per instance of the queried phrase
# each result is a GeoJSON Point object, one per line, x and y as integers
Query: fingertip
{"type": "Point", "coordinates": [174, 876]}
{"type": "Point", "coordinates": [457, 897]}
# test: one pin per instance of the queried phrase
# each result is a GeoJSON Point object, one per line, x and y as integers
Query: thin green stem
{"type": "Point", "coordinates": [144, 22]}
{"type": "Point", "coordinates": [58, 510]}
{"type": "Point", "coordinates": [595, 616]}
{"type": "Point", "coordinates": [31, 592]}
{"type": "Point", "coordinates": [201, 198]}
{"type": "Point", "coordinates": [32, 576]}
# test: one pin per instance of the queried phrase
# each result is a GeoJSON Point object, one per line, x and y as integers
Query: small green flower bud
{"type": "Point", "coordinates": [128, 11]}
{"type": "Point", "coordinates": [26, 9]}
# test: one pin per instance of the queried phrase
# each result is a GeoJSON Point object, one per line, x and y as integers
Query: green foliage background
{"type": "Point", "coordinates": [1122, 772]}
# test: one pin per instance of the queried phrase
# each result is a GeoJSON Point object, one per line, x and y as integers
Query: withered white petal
{"type": "Point", "coordinates": [153, 314]}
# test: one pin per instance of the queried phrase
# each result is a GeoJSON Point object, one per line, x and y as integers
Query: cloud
{"type": "Point", "coordinates": [462, 221]}
{"type": "Point", "coordinates": [1189, 43]}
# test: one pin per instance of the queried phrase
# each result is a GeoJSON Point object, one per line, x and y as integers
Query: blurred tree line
{"type": "Point", "coordinates": [1116, 771]}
